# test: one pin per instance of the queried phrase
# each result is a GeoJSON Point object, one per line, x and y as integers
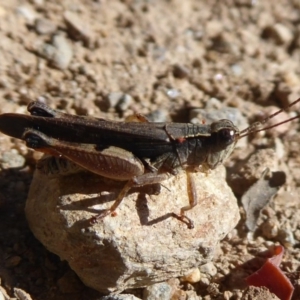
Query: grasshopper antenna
{"type": "Point", "coordinates": [253, 128]}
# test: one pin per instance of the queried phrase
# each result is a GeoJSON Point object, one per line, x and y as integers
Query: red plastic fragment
{"type": "Point", "coordinates": [271, 276]}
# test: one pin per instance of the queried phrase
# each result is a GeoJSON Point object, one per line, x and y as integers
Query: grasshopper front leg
{"type": "Point", "coordinates": [193, 200]}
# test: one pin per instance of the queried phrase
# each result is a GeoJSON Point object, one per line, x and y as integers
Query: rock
{"type": "Point", "coordinates": [13, 261]}
{"type": "Point", "coordinates": [118, 100]}
{"type": "Point", "coordinates": [237, 70]}
{"type": "Point", "coordinates": [112, 99]}
{"type": "Point", "coordinates": [258, 162]}
{"type": "Point", "coordinates": [214, 28]}
{"type": "Point", "coordinates": [3, 12]}
{"type": "Point", "coordinates": [180, 71]}
{"type": "Point", "coordinates": [260, 194]}
{"type": "Point", "coordinates": [209, 269]}
{"type": "Point", "coordinates": [63, 54]}
{"type": "Point", "coordinates": [78, 28]}
{"type": "Point", "coordinates": [142, 244]}
{"type": "Point", "coordinates": [282, 34]}
{"type": "Point", "coordinates": [198, 115]}
{"type": "Point", "coordinates": [159, 115]}
{"type": "Point", "coordinates": [161, 291]}
{"type": "Point", "coordinates": [124, 103]}
{"type": "Point", "coordinates": [247, 172]}
{"type": "Point", "coordinates": [286, 237]}
{"type": "Point", "coordinates": [12, 159]}
{"type": "Point", "coordinates": [27, 12]}
{"type": "Point", "coordinates": [192, 276]}
{"type": "Point", "coordinates": [44, 26]}
{"type": "Point", "coordinates": [21, 294]}
{"type": "Point", "coordinates": [3, 294]}
{"type": "Point", "coordinates": [172, 93]}
{"type": "Point", "coordinates": [59, 54]}
{"type": "Point", "coordinates": [258, 293]}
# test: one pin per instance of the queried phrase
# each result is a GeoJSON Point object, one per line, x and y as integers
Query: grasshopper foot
{"type": "Point", "coordinates": [184, 219]}
{"type": "Point", "coordinates": [100, 216]}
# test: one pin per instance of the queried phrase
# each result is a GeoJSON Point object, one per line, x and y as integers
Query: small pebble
{"type": "Point", "coordinates": [214, 28]}
{"type": "Point", "coordinates": [269, 229]}
{"type": "Point", "coordinates": [118, 100]}
{"type": "Point", "coordinates": [282, 34]}
{"type": "Point", "coordinates": [291, 79]}
{"type": "Point", "coordinates": [12, 159]}
{"type": "Point", "coordinates": [60, 53]}
{"type": "Point", "coordinates": [78, 28]}
{"type": "Point", "coordinates": [208, 116]}
{"type": "Point", "coordinates": [162, 291]}
{"type": "Point", "coordinates": [159, 115]}
{"type": "Point", "coordinates": [180, 71]}
{"type": "Point", "coordinates": [13, 261]}
{"type": "Point", "coordinates": [124, 102]}
{"type": "Point", "coordinates": [237, 70]}
{"type": "Point", "coordinates": [63, 54]}
{"type": "Point", "coordinates": [27, 13]}
{"type": "Point", "coordinates": [208, 269]}
{"type": "Point", "coordinates": [286, 237]}
{"type": "Point", "coordinates": [113, 99]}
{"type": "Point", "coordinates": [44, 26]}
{"type": "Point", "coordinates": [192, 276]}
{"type": "Point", "coordinates": [21, 294]}
{"type": "Point", "coordinates": [3, 12]}
{"type": "Point", "coordinates": [173, 93]}
{"type": "Point", "coordinates": [38, 2]}
{"type": "Point", "coordinates": [227, 295]}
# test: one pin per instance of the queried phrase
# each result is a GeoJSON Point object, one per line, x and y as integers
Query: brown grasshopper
{"type": "Point", "coordinates": [140, 153]}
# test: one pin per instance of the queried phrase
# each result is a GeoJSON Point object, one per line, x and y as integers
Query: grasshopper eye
{"type": "Point", "coordinates": [226, 136]}
{"type": "Point", "coordinates": [222, 138]}
{"type": "Point", "coordinates": [223, 133]}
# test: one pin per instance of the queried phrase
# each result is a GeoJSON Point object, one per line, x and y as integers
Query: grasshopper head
{"type": "Point", "coordinates": [224, 136]}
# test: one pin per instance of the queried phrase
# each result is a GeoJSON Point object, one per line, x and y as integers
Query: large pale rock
{"type": "Point", "coordinates": [142, 244]}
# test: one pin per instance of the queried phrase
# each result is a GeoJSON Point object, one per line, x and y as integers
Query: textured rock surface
{"type": "Point", "coordinates": [142, 244]}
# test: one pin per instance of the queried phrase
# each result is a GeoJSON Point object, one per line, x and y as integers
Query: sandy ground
{"type": "Point", "coordinates": [159, 58]}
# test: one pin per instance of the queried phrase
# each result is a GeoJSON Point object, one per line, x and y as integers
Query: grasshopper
{"type": "Point", "coordinates": [138, 152]}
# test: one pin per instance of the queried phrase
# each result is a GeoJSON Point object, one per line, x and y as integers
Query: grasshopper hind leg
{"type": "Point", "coordinates": [154, 178]}
{"type": "Point", "coordinates": [137, 181]}
{"type": "Point", "coordinates": [112, 209]}
{"type": "Point", "coordinates": [193, 201]}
